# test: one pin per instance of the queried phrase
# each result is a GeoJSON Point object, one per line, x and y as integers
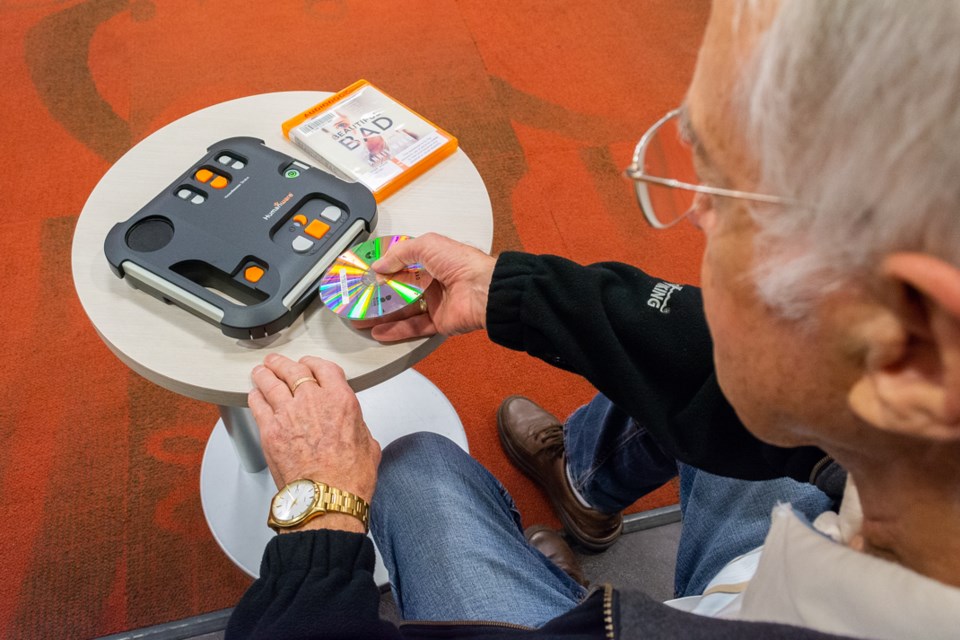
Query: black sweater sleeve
{"type": "Point", "coordinates": [643, 343]}
{"type": "Point", "coordinates": [313, 584]}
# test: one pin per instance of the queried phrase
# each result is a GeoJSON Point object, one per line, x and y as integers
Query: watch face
{"type": "Point", "coordinates": [294, 500]}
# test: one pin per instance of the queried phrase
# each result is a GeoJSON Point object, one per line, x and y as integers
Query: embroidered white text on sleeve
{"type": "Point", "coordinates": [660, 296]}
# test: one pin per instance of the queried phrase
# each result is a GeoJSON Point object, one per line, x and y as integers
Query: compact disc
{"type": "Point", "coordinates": [351, 289]}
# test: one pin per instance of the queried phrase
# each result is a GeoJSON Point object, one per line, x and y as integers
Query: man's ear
{"type": "Point", "coordinates": [911, 379]}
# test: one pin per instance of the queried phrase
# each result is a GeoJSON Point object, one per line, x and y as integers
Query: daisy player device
{"type": "Point", "coordinates": [242, 237]}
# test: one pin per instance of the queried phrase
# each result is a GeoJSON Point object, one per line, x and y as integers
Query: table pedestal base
{"type": "Point", "coordinates": [235, 502]}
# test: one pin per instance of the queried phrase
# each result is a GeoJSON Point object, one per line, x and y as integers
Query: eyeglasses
{"type": "Point", "coordinates": [665, 178]}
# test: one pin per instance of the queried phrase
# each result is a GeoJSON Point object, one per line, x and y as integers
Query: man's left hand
{"type": "Point", "coordinates": [315, 432]}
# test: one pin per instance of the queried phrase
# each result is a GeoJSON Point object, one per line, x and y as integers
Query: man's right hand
{"type": "Point", "coordinates": [456, 299]}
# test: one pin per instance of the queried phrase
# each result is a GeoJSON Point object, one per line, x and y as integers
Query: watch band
{"type": "Point", "coordinates": [333, 499]}
{"type": "Point", "coordinates": [328, 499]}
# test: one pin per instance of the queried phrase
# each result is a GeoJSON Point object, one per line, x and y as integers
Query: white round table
{"type": "Point", "coordinates": [186, 355]}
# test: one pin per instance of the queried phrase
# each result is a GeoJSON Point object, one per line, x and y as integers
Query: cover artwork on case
{"type": "Point", "coordinates": [364, 135]}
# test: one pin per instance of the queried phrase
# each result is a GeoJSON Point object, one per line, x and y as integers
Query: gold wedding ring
{"type": "Point", "coordinates": [423, 305]}
{"type": "Point", "coordinates": [300, 381]}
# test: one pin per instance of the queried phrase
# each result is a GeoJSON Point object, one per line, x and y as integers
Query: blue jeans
{"type": "Point", "coordinates": [613, 461]}
{"type": "Point", "coordinates": [450, 534]}
{"type": "Point", "coordinates": [450, 537]}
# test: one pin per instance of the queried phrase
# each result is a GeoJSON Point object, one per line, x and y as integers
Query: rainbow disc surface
{"type": "Point", "coordinates": [351, 289]}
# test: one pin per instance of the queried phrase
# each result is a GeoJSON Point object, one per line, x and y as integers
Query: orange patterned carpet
{"type": "Point", "coordinates": [101, 523]}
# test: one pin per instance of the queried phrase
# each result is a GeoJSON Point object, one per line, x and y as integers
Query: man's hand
{"type": "Point", "coordinates": [456, 299]}
{"type": "Point", "coordinates": [316, 433]}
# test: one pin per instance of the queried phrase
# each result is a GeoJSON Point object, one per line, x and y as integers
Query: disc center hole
{"type": "Point", "coordinates": [371, 278]}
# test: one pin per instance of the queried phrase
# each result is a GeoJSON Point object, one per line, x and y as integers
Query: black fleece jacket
{"type": "Point", "coordinates": [644, 344]}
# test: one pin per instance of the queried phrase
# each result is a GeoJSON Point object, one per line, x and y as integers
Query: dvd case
{"type": "Point", "coordinates": [364, 135]}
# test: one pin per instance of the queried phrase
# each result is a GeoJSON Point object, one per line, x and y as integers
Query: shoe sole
{"type": "Point", "coordinates": [588, 542]}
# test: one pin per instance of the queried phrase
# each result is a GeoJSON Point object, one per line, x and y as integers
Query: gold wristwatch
{"type": "Point", "coordinates": [302, 500]}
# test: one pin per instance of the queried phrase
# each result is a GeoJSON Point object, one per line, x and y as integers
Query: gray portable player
{"type": "Point", "coordinates": [242, 237]}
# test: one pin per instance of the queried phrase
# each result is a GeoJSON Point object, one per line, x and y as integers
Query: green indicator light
{"type": "Point", "coordinates": [291, 174]}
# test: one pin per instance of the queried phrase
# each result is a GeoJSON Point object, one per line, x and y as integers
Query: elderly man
{"type": "Point", "coordinates": [821, 135]}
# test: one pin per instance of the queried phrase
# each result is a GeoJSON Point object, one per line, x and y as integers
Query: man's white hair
{"type": "Point", "coordinates": [852, 107]}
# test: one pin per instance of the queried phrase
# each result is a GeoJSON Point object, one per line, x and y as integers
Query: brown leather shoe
{"type": "Point", "coordinates": [533, 440]}
{"type": "Point", "coordinates": [551, 544]}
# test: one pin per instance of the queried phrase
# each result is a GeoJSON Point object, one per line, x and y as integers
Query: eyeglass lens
{"type": "Point", "coordinates": [668, 155]}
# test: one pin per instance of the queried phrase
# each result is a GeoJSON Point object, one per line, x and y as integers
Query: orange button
{"type": "Point", "coordinates": [219, 182]}
{"type": "Point", "coordinates": [300, 219]}
{"type": "Point", "coordinates": [253, 274]}
{"type": "Point", "coordinates": [316, 229]}
{"type": "Point", "coordinates": [203, 175]}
